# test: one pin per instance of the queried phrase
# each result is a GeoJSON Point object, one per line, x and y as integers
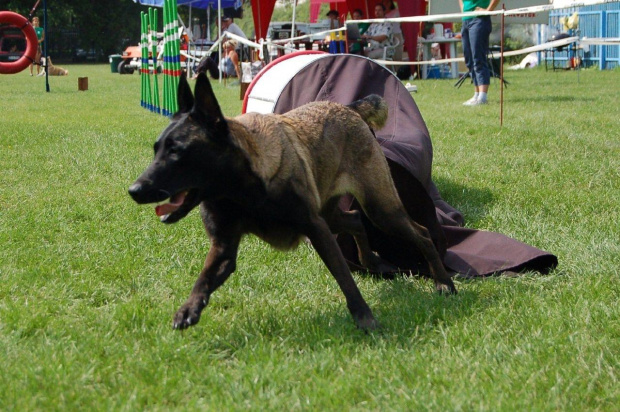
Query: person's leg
{"type": "Point", "coordinates": [469, 60]}
{"type": "Point", "coordinates": [479, 37]}
{"type": "Point", "coordinates": [37, 59]}
{"type": "Point", "coordinates": [398, 51]}
{"type": "Point", "coordinates": [375, 54]}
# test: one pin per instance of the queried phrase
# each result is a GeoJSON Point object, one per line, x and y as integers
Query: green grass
{"type": "Point", "coordinates": [89, 281]}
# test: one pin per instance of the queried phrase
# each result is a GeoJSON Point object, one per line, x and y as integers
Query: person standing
{"type": "Point", "coordinates": [40, 39]}
{"type": "Point", "coordinates": [229, 25]}
{"type": "Point", "coordinates": [332, 17]}
{"type": "Point", "coordinates": [475, 37]}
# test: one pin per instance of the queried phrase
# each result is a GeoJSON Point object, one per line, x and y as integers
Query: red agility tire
{"type": "Point", "coordinates": [32, 43]}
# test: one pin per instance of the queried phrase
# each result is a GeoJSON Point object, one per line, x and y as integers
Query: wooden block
{"type": "Point", "coordinates": [82, 83]}
{"type": "Point", "coordinates": [244, 87]}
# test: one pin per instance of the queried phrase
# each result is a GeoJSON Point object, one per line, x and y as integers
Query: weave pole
{"type": "Point", "coordinates": [153, 20]}
{"type": "Point", "coordinates": [147, 75]}
{"type": "Point", "coordinates": [165, 105]}
{"type": "Point", "coordinates": [169, 90]}
{"type": "Point", "coordinates": [177, 52]}
{"type": "Point", "coordinates": [172, 60]}
{"type": "Point", "coordinates": [144, 72]}
{"type": "Point", "coordinates": [142, 86]}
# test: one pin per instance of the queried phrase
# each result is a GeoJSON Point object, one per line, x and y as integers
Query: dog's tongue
{"type": "Point", "coordinates": [175, 202]}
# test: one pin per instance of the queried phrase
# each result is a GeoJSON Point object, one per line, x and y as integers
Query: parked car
{"type": "Point", "coordinates": [12, 44]}
{"type": "Point", "coordinates": [82, 56]}
{"type": "Point", "coordinates": [132, 55]}
{"type": "Point", "coordinates": [12, 47]}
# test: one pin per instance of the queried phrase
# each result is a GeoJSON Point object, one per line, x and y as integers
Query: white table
{"type": "Point", "coordinates": [451, 42]}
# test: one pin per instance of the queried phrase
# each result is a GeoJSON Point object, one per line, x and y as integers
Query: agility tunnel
{"type": "Point", "coordinates": [22, 23]}
{"type": "Point", "coordinates": [303, 77]}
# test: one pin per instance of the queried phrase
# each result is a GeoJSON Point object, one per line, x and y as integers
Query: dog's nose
{"type": "Point", "coordinates": [135, 189]}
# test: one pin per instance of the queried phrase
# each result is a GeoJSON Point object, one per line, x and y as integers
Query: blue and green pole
{"type": "Point", "coordinates": [144, 67]}
{"type": "Point", "coordinates": [153, 20]}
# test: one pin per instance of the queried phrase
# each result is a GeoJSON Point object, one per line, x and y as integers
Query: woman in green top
{"type": "Point", "coordinates": [475, 37]}
{"type": "Point", "coordinates": [356, 46]}
{"type": "Point", "coordinates": [41, 38]}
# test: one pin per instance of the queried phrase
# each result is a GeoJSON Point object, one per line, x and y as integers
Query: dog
{"type": "Point", "coordinates": [278, 177]}
{"type": "Point", "coordinates": [51, 69]}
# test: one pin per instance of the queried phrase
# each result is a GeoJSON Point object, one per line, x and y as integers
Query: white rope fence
{"type": "Point", "coordinates": [604, 41]}
{"type": "Point", "coordinates": [287, 44]}
{"type": "Point", "coordinates": [541, 47]}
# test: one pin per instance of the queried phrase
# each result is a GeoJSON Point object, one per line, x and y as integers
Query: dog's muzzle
{"type": "Point", "coordinates": [142, 194]}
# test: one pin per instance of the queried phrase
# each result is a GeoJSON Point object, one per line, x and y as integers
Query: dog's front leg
{"type": "Point", "coordinates": [329, 251]}
{"type": "Point", "coordinates": [220, 263]}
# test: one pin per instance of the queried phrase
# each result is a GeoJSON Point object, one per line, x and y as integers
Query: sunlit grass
{"type": "Point", "coordinates": [89, 281]}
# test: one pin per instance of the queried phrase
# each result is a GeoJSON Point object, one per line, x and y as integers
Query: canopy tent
{"type": "Point", "coordinates": [405, 8]}
{"type": "Point", "coordinates": [199, 4]}
{"type": "Point", "coordinates": [263, 9]}
{"type": "Point", "coordinates": [315, 7]}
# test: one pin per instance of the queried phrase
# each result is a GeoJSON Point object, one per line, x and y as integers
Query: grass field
{"type": "Point", "coordinates": [89, 281]}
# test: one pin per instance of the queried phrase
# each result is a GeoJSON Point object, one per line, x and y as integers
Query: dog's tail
{"type": "Point", "coordinates": [373, 109]}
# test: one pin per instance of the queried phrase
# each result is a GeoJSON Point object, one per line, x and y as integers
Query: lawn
{"type": "Point", "coordinates": [89, 280]}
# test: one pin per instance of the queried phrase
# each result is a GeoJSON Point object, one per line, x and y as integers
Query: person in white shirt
{"type": "Point", "coordinates": [397, 35]}
{"type": "Point", "coordinates": [230, 26]}
{"type": "Point", "coordinates": [378, 35]}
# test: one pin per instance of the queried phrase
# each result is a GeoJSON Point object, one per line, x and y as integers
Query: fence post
{"type": "Point", "coordinates": [603, 34]}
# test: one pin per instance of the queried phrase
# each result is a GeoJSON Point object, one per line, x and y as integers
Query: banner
{"type": "Point", "coordinates": [452, 7]}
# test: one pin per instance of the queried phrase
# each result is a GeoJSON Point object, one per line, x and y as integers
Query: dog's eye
{"type": "Point", "coordinates": [171, 147]}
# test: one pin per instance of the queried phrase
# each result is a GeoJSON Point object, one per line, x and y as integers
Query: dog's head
{"type": "Point", "coordinates": [188, 155]}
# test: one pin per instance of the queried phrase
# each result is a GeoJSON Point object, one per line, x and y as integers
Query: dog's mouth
{"type": "Point", "coordinates": [177, 206]}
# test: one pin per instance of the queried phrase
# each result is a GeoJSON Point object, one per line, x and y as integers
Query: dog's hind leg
{"type": "Point", "coordinates": [220, 263]}
{"type": "Point", "coordinates": [326, 246]}
{"type": "Point", "coordinates": [395, 221]}
{"type": "Point", "coordinates": [379, 200]}
{"type": "Point", "coordinates": [350, 222]}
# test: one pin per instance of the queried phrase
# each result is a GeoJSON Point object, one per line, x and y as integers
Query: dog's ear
{"type": "Point", "coordinates": [185, 99]}
{"type": "Point", "coordinates": [206, 102]}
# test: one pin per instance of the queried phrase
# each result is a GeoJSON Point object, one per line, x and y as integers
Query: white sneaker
{"type": "Point", "coordinates": [471, 102]}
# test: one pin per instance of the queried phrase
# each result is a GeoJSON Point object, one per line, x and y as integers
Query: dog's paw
{"type": "Point", "coordinates": [375, 264]}
{"type": "Point", "coordinates": [189, 314]}
{"type": "Point", "coordinates": [384, 268]}
{"type": "Point", "coordinates": [367, 323]}
{"type": "Point", "coordinates": [446, 288]}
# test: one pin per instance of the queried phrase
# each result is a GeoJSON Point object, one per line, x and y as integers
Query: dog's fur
{"type": "Point", "coordinates": [279, 177]}
{"type": "Point", "coordinates": [51, 69]}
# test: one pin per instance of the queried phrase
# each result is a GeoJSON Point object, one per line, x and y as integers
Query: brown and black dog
{"type": "Point", "coordinates": [51, 69]}
{"type": "Point", "coordinates": [278, 177]}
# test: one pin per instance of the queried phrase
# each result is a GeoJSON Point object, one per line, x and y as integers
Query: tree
{"type": "Point", "coordinates": [100, 25]}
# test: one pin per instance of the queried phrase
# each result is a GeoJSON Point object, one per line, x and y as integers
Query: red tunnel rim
{"type": "Point", "coordinates": [269, 66]}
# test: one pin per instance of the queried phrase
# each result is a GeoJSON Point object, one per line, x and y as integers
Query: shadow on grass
{"type": "Point", "coordinates": [551, 99]}
{"type": "Point", "coordinates": [472, 202]}
{"type": "Point", "coordinates": [408, 310]}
